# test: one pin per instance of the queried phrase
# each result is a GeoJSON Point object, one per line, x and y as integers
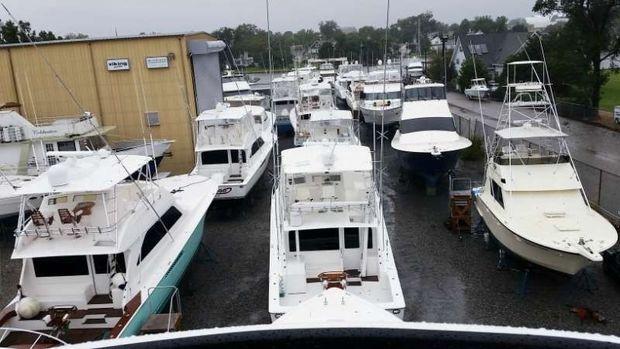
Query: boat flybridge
{"type": "Point", "coordinates": [478, 89]}
{"type": "Point", "coordinates": [101, 254]}
{"type": "Point", "coordinates": [533, 201]}
{"type": "Point", "coordinates": [24, 148]}
{"type": "Point", "coordinates": [381, 97]}
{"type": "Point", "coordinates": [330, 126]}
{"type": "Point", "coordinates": [235, 142]}
{"type": "Point", "coordinates": [327, 72]}
{"type": "Point", "coordinates": [349, 84]}
{"type": "Point", "coordinates": [328, 231]}
{"type": "Point", "coordinates": [314, 96]}
{"type": "Point", "coordinates": [415, 69]}
{"type": "Point", "coordinates": [427, 142]}
{"type": "Point", "coordinates": [284, 97]}
{"type": "Point", "coordinates": [237, 91]}
{"type": "Point", "coordinates": [305, 74]}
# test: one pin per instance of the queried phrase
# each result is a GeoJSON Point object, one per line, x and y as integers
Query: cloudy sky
{"type": "Point", "coordinates": [102, 17]}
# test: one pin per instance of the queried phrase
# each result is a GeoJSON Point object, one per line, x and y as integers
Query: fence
{"type": "Point", "coordinates": [601, 187]}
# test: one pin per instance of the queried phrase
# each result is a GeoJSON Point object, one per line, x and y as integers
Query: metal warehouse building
{"type": "Point", "coordinates": [170, 78]}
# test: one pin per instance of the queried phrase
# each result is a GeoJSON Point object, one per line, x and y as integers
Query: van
{"type": "Point", "coordinates": [617, 114]}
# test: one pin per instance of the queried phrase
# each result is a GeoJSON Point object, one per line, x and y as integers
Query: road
{"type": "Point", "coordinates": [596, 146]}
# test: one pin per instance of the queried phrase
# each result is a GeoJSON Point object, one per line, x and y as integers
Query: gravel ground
{"type": "Point", "coordinates": [445, 277]}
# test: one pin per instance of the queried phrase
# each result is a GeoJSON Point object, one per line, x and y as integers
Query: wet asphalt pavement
{"type": "Point", "coordinates": [445, 277]}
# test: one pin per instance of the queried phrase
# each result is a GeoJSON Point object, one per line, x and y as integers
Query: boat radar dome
{"type": "Point", "coordinates": [58, 175]}
{"type": "Point", "coordinates": [379, 62]}
{"type": "Point", "coordinates": [389, 61]}
{"type": "Point", "coordinates": [220, 106]}
{"type": "Point", "coordinates": [28, 307]}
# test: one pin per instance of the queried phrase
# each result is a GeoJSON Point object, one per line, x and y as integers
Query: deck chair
{"type": "Point", "coordinates": [39, 220]}
{"type": "Point", "coordinates": [66, 217]}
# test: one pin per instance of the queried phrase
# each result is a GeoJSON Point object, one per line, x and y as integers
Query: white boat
{"type": "Point", "coordinates": [328, 126]}
{"type": "Point", "coordinates": [314, 96]}
{"type": "Point", "coordinates": [327, 72]}
{"type": "Point", "coordinates": [24, 147]}
{"type": "Point", "coordinates": [415, 69]}
{"type": "Point", "coordinates": [284, 97]}
{"type": "Point", "coordinates": [381, 97]}
{"type": "Point", "coordinates": [478, 89]}
{"type": "Point", "coordinates": [533, 201]}
{"type": "Point", "coordinates": [9, 195]}
{"type": "Point", "coordinates": [235, 142]}
{"type": "Point", "coordinates": [305, 74]}
{"type": "Point", "coordinates": [328, 231]}
{"type": "Point", "coordinates": [237, 91]}
{"type": "Point", "coordinates": [427, 142]}
{"type": "Point", "coordinates": [349, 84]}
{"type": "Point", "coordinates": [100, 255]}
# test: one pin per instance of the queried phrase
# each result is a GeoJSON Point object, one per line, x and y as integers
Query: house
{"type": "Point", "coordinates": [435, 40]}
{"type": "Point", "coordinates": [492, 49]}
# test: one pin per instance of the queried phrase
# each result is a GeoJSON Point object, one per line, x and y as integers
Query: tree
{"type": "Point", "coordinates": [594, 25]}
{"type": "Point", "coordinates": [468, 72]}
{"type": "Point", "coordinates": [329, 29]}
{"type": "Point", "coordinates": [11, 33]}
{"type": "Point", "coordinates": [73, 36]}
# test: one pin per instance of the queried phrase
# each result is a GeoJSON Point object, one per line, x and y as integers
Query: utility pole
{"type": "Point", "coordinates": [444, 39]}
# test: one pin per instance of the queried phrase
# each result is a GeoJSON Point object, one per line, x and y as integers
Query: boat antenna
{"type": "Point", "coordinates": [83, 111]}
{"type": "Point", "coordinates": [274, 129]}
{"type": "Point", "coordinates": [3, 175]}
{"type": "Point", "coordinates": [484, 130]}
{"type": "Point", "coordinates": [382, 133]}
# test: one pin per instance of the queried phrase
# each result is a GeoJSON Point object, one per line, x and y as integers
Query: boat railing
{"type": "Point", "coordinates": [38, 337]}
{"type": "Point", "coordinates": [358, 211]}
{"type": "Point", "coordinates": [175, 298]}
{"type": "Point", "coordinates": [72, 230]}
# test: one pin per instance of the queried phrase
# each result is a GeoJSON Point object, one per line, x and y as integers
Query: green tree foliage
{"type": "Point", "coordinates": [485, 24]}
{"type": "Point", "coordinates": [594, 37]}
{"type": "Point", "coordinates": [468, 72]}
{"type": "Point", "coordinates": [435, 69]}
{"type": "Point", "coordinates": [11, 33]}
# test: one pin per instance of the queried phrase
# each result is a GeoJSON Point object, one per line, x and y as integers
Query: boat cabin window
{"type": "Point", "coordinates": [258, 143]}
{"type": "Point", "coordinates": [91, 143]}
{"type": "Point", "coordinates": [60, 266]}
{"type": "Point", "coordinates": [292, 246]}
{"type": "Point", "coordinates": [318, 239]}
{"type": "Point", "coordinates": [157, 231]}
{"type": "Point", "coordinates": [427, 124]}
{"type": "Point", "coordinates": [214, 157]}
{"type": "Point", "coordinates": [424, 93]}
{"type": "Point", "coordinates": [236, 154]}
{"type": "Point", "coordinates": [351, 238]}
{"type": "Point", "coordinates": [380, 95]}
{"type": "Point", "coordinates": [496, 191]}
{"type": "Point", "coordinates": [103, 263]}
{"type": "Point", "coordinates": [66, 146]}
{"type": "Point", "coordinates": [237, 93]}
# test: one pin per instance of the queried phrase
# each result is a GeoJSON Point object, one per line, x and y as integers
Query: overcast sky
{"type": "Point", "coordinates": [102, 17]}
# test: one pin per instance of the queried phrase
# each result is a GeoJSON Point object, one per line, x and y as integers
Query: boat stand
{"type": "Point", "coordinates": [585, 280]}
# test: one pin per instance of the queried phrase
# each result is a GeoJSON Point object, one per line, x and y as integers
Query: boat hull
{"type": "Point", "coordinates": [159, 299]}
{"type": "Point", "coordinates": [567, 263]}
{"type": "Point", "coordinates": [232, 191]}
{"type": "Point", "coordinates": [373, 116]}
{"type": "Point", "coordinates": [430, 167]}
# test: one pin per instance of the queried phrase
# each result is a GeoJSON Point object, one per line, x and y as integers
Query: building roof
{"type": "Point", "coordinates": [493, 48]}
{"type": "Point", "coordinates": [107, 38]}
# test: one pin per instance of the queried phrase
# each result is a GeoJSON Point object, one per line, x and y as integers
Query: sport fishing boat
{"type": "Point", "coordinates": [234, 142]}
{"type": "Point", "coordinates": [328, 231]}
{"type": "Point", "coordinates": [381, 97]}
{"type": "Point", "coordinates": [533, 201]}
{"type": "Point", "coordinates": [330, 126]}
{"type": "Point", "coordinates": [284, 97]}
{"type": "Point", "coordinates": [327, 72]}
{"type": "Point", "coordinates": [237, 91]}
{"type": "Point", "coordinates": [349, 84]}
{"type": "Point", "coordinates": [415, 69]}
{"type": "Point", "coordinates": [101, 254]}
{"type": "Point", "coordinates": [24, 147]}
{"type": "Point", "coordinates": [427, 142]}
{"type": "Point", "coordinates": [478, 89]}
{"type": "Point", "coordinates": [305, 74]}
{"type": "Point", "coordinates": [315, 96]}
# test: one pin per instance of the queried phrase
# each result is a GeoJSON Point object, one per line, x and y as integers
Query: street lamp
{"type": "Point", "coordinates": [444, 38]}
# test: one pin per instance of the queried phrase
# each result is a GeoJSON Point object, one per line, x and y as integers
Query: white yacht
{"type": "Point", "coordinates": [381, 97]}
{"type": "Point", "coordinates": [314, 96]}
{"type": "Point", "coordinates": [349, 84]}
{"type": "Point", "coordinates": [533, 201]}
{"type": "Point", "coordinates": [327, 72]}
{"type": "Point", "coordinates": [415, 69]}
{"type": "Point", "coordinates": [427, 142]}
{"type": "Point", "coordinates": [235, 142]}
{"type": "Point", "coordinates": [478, 89]}
{"type": "Point", "coordinates": [24, 148]}
{"type": "Point", "coordinates": [285, 96]}
{"type": "Point", "coordinates": [237, 91]}
{"type": "Point", "coordinates": [328, 231]}
{"type": "Point", "coordinates": [330, 126]}
{"type": "Point", "coordinates": [100, 255]}
{"type": "Point", "coordinates": [305, 74]}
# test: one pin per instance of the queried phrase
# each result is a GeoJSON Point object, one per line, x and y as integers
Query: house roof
{"type": "Point", "coordinates": [493, 48]}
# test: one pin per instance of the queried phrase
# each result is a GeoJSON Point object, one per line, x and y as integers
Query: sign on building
{"type": "Point", "coordinates": [118, 64]}
{"type": "Point", "coordinates": [157, 62]}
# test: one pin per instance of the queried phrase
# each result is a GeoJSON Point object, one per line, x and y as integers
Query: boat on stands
{"type": "Point", "coordinates": [314, 96]}
{"type": "Point", "coordinates": [381, 97]}
{"type": "Point", "coordinates": [330, 126]}
{"type": "Point", "coordinates": [284, 97]}
{"type": "Point", "coordinates": [328, 231]}
{"type": "Point", "coordinates": [349, 84]}
{"type": "Point", "coordinates": [533, 201]}
{"type": "Point", "coordinates": [427, 142]}
{"type": "Point", "coordinates": [101, 253]}
{"type": "Point", "coordinates": [235, 142]}
{"type": "Point", "coordinates": [478, 89]}
{"type": "Point", "coordinates": [237, 91]}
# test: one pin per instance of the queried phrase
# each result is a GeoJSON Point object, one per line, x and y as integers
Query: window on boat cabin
{"type": "Point", "coordinates": [425, 93]}
{"type": "Point", "coordinates": [258, 119]}
{"type": "Point", "coordinates": [51, 160]}
{"type": "Point", "coordinates": [66, 146]}
{"type": "Point", "coordinates": [258, 143]}
{"type": "Point", "coordinates": [427, 124]}
{"type": "Point", "coordinates": [351, 238]}
{"type": "Point", "coordinates": [103, 263]}
{"type": "Point", "coordinates": [236, 154]}
{"type": "Point", "coordinates": [158, 230]}
{"type": "Point", "coordinates": [369, 238]}
{"type": "Point", "coordinates": [319, 239]}
{"type": "Point", "coordinates": [292, 246]}
{"type": "Point", "coordinates": [60, 266]}
{"type": "Point", "coordinates": [496, 191]}
{"type": "Point", "coordinates": [214, 157]}
{"type": "Point", "coordinates": [374, 96]}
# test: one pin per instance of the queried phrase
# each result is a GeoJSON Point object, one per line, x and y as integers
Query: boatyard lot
{"type": "Point", "coordinates": [445, 277]}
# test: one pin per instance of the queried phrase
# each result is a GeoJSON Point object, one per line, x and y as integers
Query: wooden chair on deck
{"type": "Point", "coordinates": [39, 220]}
{"type": "Point", "coordinates": [66, 217]}
{"type": "Point", "coordinates": [333, 279]}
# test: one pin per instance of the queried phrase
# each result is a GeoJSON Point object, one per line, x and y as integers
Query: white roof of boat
{"type": "Point", "coordinates": [434, 108]}
{"type": "Point", "coordinates": [332, 114]}
{"type": "Point", "coordinates": [423, 84]}
{"type": "Point", "coordinates": [524, 62]}
{"type": "Point", "coordinates": [529, 131]}
{"type": "Point", "coordinates": [285, 78]}
{"type": "Point", "coordinates": [478, 79]}
{"type": "Point", "coordinates": [320, 158]}
{"type": "Point", "coordinates": [94, 173]}
{"type": "Point", "coordinates": [233, 86]}
{"type": "Point", "coordinates": [315, 86]}
{"type": "Point", "coordinates": [229, 113]}
{"type": "Point", "coordinates": [378, 88]}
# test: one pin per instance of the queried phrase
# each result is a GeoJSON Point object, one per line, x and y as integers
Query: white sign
{"type": "Point", "coordinates": [118, 64]}
{"type": "Point", "coordinates": [157, 62]}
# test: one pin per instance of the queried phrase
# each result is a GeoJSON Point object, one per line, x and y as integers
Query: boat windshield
{"type": "Point", "coordinates": [424, 93]}
{"type": "Point", "coordinates": [427, 124]}
{"type": "Point", "coordinates": [379, 96]}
